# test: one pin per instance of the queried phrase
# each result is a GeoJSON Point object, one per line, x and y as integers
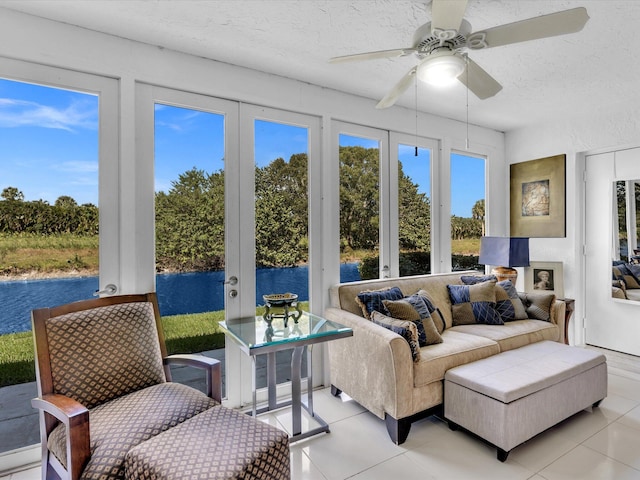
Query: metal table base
{"type": "Point", "coordinates": [296, 402]}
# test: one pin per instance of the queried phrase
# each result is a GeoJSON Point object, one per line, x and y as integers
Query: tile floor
{"type": "Point", "coordinates": [600, 444]}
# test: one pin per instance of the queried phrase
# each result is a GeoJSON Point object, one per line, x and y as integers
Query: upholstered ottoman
{"type": "Point", "coordinates": [509, 398]}
{"type": "Point", "coordinates": [219, 443]}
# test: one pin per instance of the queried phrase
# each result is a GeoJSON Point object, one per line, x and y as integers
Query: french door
{"type": "Point", "coordinates": [279, 198]}
{"type": "Point", "coordinates": [246, 175]}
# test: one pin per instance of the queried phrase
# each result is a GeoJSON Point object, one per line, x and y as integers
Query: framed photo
{"type": "Point", "coordinates": [537, 198]}
{"type": "Point", "coordinates": [541, 276]}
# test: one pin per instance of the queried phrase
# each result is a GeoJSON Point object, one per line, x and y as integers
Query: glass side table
{"type": "Point", "coordinates": [255, 336]}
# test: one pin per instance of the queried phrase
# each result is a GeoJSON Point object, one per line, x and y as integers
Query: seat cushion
{"type": "Point", "coordinates": [456, 349]}
{"type": "Point", "coordinates": [119, 425]}
{"type": "Point", "coordinates": [218, 444]}
{"type": "Point", "coordinates": [523, 371]}
{"type": "Point", "coordinates": [514, 334]}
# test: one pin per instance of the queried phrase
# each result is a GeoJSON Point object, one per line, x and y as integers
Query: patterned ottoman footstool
{"type": "Point", "coordinates": [219, 443]}
{"type": "Point", "coordinates": [511, 397]}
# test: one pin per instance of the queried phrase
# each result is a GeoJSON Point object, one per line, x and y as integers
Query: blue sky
{"type": "Point", "coordinates": [48, 142]}
{"type": "Point", "coordinates": [49, 147]}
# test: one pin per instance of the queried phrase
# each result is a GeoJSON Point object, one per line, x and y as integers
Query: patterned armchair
{"type": "Point", "coordinates": [104, 384]}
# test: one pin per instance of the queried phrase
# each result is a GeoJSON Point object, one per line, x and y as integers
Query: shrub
{"type": "Point", "coordinates": [416, 263]}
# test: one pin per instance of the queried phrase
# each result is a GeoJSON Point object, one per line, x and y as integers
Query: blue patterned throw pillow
{"type": "Point", "coordinates": [405, 328]}
{"type": "Point", "coordinates": [436, 314]}
{"type": "Point", "coordinates": [372, 300]}
{"type": "Point", "coordinates": [508, 303]}
{"type": "Point", "coordinates": [473, 279]}
{"type": "Point", "coordinates": [474, 304]}
{"type": "Point", "coordinates": [414, 309]}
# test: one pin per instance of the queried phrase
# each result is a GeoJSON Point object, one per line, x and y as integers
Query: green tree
{"type": "Point", "coordinates": [477, 213]}
{"type": "Point", "coordinates": [65, 201]}
{"type": "Point", "coordinates": [359, 197]}
{"type": "Point", "coordinates": [190, 222]}
{"type": "Point", "coordinates": [12, 194]}
{"type": "Point", "coordinates": [281, 207]}
{"type": "Point", "coordinates": [414, 212]}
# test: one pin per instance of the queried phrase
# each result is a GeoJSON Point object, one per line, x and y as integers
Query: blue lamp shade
{"type": "Point", "coordinates": [504, 251]}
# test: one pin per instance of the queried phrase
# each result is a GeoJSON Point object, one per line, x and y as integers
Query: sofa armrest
{"type": "Point", "coordinates": [210, 365]}
{"type": "Point", "coordinates": [558, 315]}
{"type": "Point", "coordinates": [374, 366]}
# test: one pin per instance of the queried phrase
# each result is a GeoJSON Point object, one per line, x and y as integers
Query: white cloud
{"type": "Point", "coordinates": [76, 166]}
{"type": "Point", "coordinates": [22, 113]}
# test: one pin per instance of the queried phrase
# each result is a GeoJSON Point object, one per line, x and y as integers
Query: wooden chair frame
{"type": "Point", "coordinates": [56, 408]}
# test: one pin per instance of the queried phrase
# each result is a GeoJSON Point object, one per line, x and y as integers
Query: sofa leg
{"type": "Point", "coordinates": [502, 455]}
{"type": "Point", "coordinates": [335, 391]}
{"type": "Point", "coordinates": [398, 429]}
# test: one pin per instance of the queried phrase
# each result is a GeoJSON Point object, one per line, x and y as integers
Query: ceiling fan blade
{"type": "Point", "coordinates": [447, 14]}
{"type": "Point", "coordinates": [398, 89]}
{"type": "Point", "coordinates": [560, 23]}
{"type": "Point", "coordinates": [481, 84]}
{"type": "Point", "coordinates": [398, 52]}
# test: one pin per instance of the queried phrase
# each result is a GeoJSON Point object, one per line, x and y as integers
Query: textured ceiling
{"type": "Point", "coordinates": [562, 77]}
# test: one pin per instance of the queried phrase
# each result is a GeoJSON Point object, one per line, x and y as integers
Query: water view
{"type": "Point", "coordinates": [177, 293]}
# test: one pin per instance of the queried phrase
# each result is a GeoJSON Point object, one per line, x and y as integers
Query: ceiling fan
{"type": "Point", "coordinates": [440, 47]}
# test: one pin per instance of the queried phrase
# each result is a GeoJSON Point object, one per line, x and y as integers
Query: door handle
{"type": "Point", "coordinates": [232, 281]}
{"type": "Point", "coordinates": [109, 289]}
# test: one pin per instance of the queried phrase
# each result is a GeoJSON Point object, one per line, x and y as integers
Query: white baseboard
{"type": "Point", "coordinates": [19, 459]}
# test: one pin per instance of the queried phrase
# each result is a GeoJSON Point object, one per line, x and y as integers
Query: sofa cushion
{"type": "Point", "coordinates": [628, 274]}
{"type": "Point", "coordinates": [434, 311]}
{"type": "Point", "coordinates": [617, 292]}
{"type": "Point", "coordinates": [457, 349]}
{"type": "Point", "coordinates": [514, 334]}
{"type": "Point", "coordinates": [414, 308]}
{"type": "Point", "coordinates": [474, 304]}
{"type": "Point", "coordinates": [370, 300]}
{"type": "Point", "coordinates": [538, 305]}
{"type": "Point", "coordinates": [508, 303]}
{"type": "Point", "coordinates": [407, 329]}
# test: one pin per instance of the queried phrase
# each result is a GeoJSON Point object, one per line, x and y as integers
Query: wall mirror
{"type": "Point", "coordinates": [625, 251]}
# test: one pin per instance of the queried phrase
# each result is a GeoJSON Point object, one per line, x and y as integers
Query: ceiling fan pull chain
{"type": "Point", "coordinates": [416, 87]}
{"type": "Point", "coordinates": [466, 60]}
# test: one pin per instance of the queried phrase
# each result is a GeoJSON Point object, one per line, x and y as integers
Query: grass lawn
{"type": "Point", "coordinates": [190, 333]}
{"type": "Point", "coordinates": [467, 246]}
{"type": "Point", "coordinates": [45, 254]}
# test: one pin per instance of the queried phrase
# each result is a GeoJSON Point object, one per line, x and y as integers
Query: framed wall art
{"type": "Point", "coordinates": [544, 276]}
{"type": "Point", "coordinates": [537, 193]}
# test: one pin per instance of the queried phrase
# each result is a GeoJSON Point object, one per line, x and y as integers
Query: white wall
{"type": "Point", "coordinates": [607, 129]}
{"type": "Point", "coordinates": [42, 41]}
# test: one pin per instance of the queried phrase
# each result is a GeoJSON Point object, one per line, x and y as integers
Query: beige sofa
{"type": "Point", "coordinates": [375, 367]}
{"type": "Point", "coordinates": [625, 285]}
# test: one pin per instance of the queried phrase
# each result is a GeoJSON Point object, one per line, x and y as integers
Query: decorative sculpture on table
{"type": "Point", "coordinates": [282, 302]}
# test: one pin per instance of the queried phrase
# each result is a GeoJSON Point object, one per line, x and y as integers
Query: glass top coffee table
{"type": "Point", "coordinates": [255, 336]}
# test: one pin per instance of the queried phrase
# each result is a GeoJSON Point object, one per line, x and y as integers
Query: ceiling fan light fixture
{"type": "Point", "coordinates": [441, 68]}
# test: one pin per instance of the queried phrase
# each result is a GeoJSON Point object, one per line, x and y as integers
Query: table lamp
{"type": "Point", "coordinates": [504, 253]}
